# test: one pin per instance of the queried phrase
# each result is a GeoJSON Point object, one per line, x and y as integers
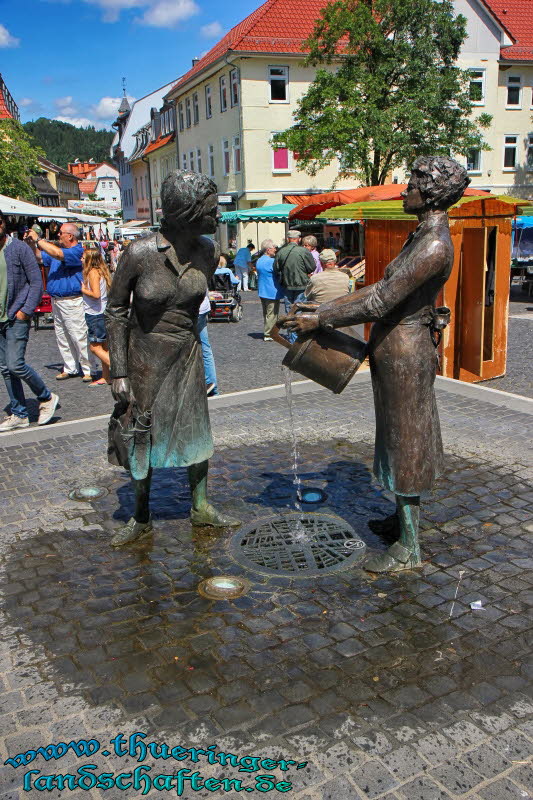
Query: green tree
{"type": "Point", "coordinates": [18, 160]}
{"type": "Point", "coordinates": [63, 142]}
{"type": "Point", "coordinates": [392, 91]}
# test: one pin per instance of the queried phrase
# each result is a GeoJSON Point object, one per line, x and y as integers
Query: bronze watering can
{"type": "Point", "coordinates": [330, 358]}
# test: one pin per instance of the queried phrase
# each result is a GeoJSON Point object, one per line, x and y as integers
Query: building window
{"type": "Point", "coordinates": [278, 78]}
{"type": "Point", "coordinates": [509, 152]}
{"type": "Point", "coordinates": [188, 112]}
{"type": "Point", "coordinates": [191, 160]}
{"type": "Point", "coordinates": [514, 91]}
{"type": "Point", "coordinates": [208, 103]}
{"type": "Point", "coordinates": [529, 156]}
{"type": "Point", "coordinates": [225, 156]}
{"type": "Point", "coordinates": [236, 153]}
{"type": "Point", "coordinates": [473, 160]}
{"type": "Point", "coordinates": [234, 83]}
{"type": "Point", "coordinates": [211, 152]}
{"type": "Point", "coordinates": [477, 86]}
{"type": "Point", "coordinates": [198, 160]}
{"type": "Point", "coordinates": [196, 108]}
{"type": "Point", "coordinates": [223, 93]}
{"type": "Point", "coordinates": [281, 159]}
{"type": "Point", "coordinates": [136, 189]}
{"type": "Point", "coordinates": [184, 159]}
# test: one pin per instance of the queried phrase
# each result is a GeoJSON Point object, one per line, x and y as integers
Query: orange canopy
{"type": "Point", "coordinates": [309, 206]}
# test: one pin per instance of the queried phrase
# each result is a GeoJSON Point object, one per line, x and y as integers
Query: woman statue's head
{"type": "Point", "coordinates": [436, 182]}
{"type": "Point", "coordinates": [188, 200]}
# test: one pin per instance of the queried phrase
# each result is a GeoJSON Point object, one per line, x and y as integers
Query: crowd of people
{"type": "Point", "coordinates": [78, 281]}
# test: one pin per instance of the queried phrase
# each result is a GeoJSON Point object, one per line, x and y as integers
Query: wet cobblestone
{"type": "Point", "coordinates": [371, 680]}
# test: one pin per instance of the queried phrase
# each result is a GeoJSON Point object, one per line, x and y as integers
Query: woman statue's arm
{"type": "Point", "coordinates": [117, 315]}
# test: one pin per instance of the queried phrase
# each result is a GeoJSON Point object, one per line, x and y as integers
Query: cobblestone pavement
{"type": "Point", "coordinates": [390, 688]}
{"type": "Point", "coordinates": [519, 374]}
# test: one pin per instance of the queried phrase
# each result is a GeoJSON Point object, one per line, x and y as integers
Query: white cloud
{"type": "Point", "coordinates": [168, 13]}
{"type": "Point", "coordinates": [212, 31]}
{"type": "Point", "coordinates": [6, 40]}
{"type": "Point", "coordinates": [107, 107]}
{"type": "Point", "coordinates": [25, 102]}
{"type": "Point", "coordinates": [65, 106]}
{"type": "Point", "coordinates": [112, 8]}
{"type": "Point", "coordinates": [79, 122]}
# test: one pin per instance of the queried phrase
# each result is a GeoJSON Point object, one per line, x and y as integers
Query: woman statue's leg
{"type": "Point", "coordinates": [202, 512]}
{"type": "Point", "coordinates": [140, 523]}
{"type": "Point", "coordinates": [405, 553]}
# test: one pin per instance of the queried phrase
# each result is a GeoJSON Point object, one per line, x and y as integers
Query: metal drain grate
{"type": "Point", "coordinates": [298, 544]}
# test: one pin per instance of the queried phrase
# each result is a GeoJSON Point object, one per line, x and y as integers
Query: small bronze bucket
{"type": "Point", "coordinates": [330, 358]}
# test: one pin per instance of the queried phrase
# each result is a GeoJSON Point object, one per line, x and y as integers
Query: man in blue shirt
{"type": "Point", "coordinates": [242, 263]}
{"type": "Point", "coordinates": [20, 291]}
{"type": "Point", "coordinates": [64, 263]}
{"type": "Point", "coordinates": [268, 288]}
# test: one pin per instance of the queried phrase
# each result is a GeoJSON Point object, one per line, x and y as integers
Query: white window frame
{"type": "Point", "coordinates": [226, 152]}
{"type": "Point", "coordinates": [480, 80]}
{"type": "Point", "coordinates": [529, 149]}
{"type": "Point", "coordinates": [290, 160]}
{"type": "Point", "coordinates": [211, 160]}
{"type": "Point", "coordinates": [208, 102]}
{"type": "Point", "coordinates": [195, 109]}
{"type": "Point", "coordinates": [517, 83]}
{"type": "Point", "coordinates": [277, 77]}
{"type": "Point", "coordinates": [198, 160]}
{"type": "Point", "coordinates": [236, 146]}
{"type": "Point", "coordinates": [234, 84]}
{"type": "Point", "coordinates": [188, 113]}
{"type": "Point", "coordinates": [223, 92]}
{"type": "Point", "coordinates": [478, 171]}
{"type": "Point", "coordinates": [508, 145]}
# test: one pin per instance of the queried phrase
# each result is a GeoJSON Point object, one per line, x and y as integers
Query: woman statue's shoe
{"type": "Point", "coordinates": [395, 559]}
{"type": "Point", "coordinates": [208, 515]}
{"type": "Point", "coordinates": [132, 531]}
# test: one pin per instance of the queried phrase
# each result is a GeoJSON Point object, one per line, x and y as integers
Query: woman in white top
{"type": "Point", "coordinates": [96, 280]}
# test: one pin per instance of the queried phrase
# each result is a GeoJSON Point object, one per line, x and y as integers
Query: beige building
{"type": "Point", "coordinates": [232, 101]}
{"type": "Point", "coordinates": [161, 153]}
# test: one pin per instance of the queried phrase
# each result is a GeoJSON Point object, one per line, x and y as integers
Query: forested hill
{"type": "Point", "coordinates": [63, 142]}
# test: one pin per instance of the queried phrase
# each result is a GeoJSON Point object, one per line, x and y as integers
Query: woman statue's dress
{"type": "Point", "coordinates": [151, 320]}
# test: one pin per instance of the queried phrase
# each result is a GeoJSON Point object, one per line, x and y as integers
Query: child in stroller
{"type": "Point", "coordinates": [224, 296]}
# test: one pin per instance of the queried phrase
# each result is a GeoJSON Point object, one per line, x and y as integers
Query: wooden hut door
{"type": "Point", "coordinates": [473, 261]}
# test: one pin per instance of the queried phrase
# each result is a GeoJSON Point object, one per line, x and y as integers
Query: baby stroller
{"type": "Point", "coordinates": [225, 299]}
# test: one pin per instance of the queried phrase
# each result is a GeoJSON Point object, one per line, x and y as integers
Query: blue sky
{"type": "Point", "coordinates": [66, 58]}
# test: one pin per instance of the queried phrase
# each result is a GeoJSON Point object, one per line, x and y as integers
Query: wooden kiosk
{"type": "Point", "coordinates": [474, 345]}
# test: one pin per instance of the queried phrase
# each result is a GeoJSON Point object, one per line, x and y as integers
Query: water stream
{"type": "Point", "coordinates": [299, 531]}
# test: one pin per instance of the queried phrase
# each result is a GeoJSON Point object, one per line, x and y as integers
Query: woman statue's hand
{"type": "Point", "coordinates": [301, 323]}
{"type": "Point", "coordinates": [121, 390]}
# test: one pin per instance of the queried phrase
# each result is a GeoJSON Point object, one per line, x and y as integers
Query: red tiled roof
{"type": "Point", "coordinates": [278, 26]}
{"type": "Point", "coordinates": [87, 187]}
{"type": "Point", "coordinates": [516, 16]}
{"type": "Point", "coordinates": [159, 142]}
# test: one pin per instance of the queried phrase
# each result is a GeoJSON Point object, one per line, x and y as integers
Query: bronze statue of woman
{"type": "Point", "coordinates": [402, 354]}
{"type": "Point", "coordinates": [161, 417]}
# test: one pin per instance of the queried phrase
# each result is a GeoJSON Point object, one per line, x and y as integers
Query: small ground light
{"type": "Point", "coordinates": [311, 495]}
{"type": "Point", "coordinates": [87, 493]}
{"type": "Point", "coordinates": [223, 587]}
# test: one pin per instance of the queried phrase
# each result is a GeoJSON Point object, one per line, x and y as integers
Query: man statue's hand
{"type": "Point", "coordinates": [121, 390]}
{"type": "Point", "coordinates": [301, 323]}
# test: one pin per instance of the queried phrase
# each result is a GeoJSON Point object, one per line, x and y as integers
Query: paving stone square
{"type": "Point", "coordinates": [387, 687]}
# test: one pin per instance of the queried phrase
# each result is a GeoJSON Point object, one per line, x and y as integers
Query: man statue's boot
{"type": "Point", "coordinates": [405, 553]}
{"type": "Point", "coordinates": [202, 512]}
{"type": "Point", "coordinates": [140, 524]}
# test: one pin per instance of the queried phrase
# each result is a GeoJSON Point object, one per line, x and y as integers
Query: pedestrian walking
{"type": "Point", "coordinates": [96, 282]}
{"type": "Point", "coordinates": [310, 243]}
{"type": "Point", "coordinates": [64, 264]}
{"type": "Point", "coordinates": [268, 288]}
{"type": "Point", "coordinates": [243, 263]}
{"type": "Point", "coordinates": [20, 292]}
{"type": "Point", "coordinates": [292, 266]}
{"type": "Point", "coordinates": [207, 352]}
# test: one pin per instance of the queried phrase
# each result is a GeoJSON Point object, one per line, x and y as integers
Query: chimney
{"type": "Point", "coordinates": [195, 61]}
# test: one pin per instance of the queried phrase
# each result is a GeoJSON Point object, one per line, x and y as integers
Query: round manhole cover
{"type": "Point", "coordinates": [298, 544]}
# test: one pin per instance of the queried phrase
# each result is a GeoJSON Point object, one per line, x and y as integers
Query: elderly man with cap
{"type": "Point", "coordinates": [64, 263]}
{"type": "Point", "coordinates": [292, 266]}
{"type": "Point", "coordinates": [328, 284]}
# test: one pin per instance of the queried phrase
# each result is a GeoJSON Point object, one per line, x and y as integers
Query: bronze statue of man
{"type": "Point", "coordinates": [402, 354]}
{"type": "Point", "coordinates": [161, 417]}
